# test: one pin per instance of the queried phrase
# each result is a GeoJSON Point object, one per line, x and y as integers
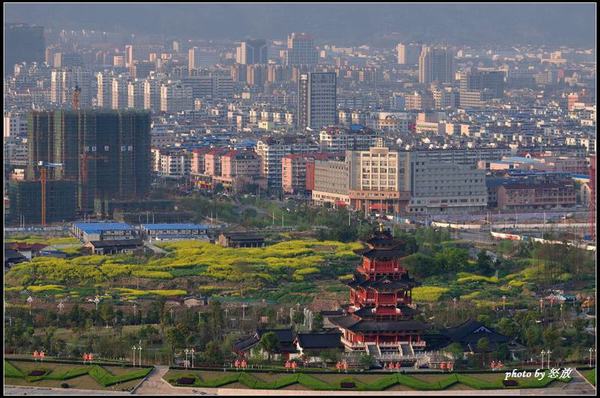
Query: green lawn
{"type": "Point", "coordinates": [92, 377]}
{"type": "Point", "coordinates": [590, 375]}
{"type": "Point", "coordinates": [362, 382]}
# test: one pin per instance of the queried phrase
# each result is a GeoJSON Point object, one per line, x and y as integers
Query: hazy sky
{"type": "Point", "coordinates": [550, 23]}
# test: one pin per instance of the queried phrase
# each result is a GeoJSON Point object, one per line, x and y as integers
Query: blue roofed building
{"type": "Point", "coordinates": [98, 231]}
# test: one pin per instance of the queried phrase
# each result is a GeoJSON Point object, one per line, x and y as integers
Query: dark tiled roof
{"type": "Point", "coordinates": [246, 343]}
{"type": "Point", "coordinates": [357, 325]}
{"type": "Point", "coordinates": [366, 312]}
{"type": "Point", "coordinates": [285, 336]}
{"type": "Point", "coordinates": [469, 332]}
{"type": "Point", "coordinates": [383, 284]}
{"type": "Point", "coordinates": [319, 340]}
{"type": "Point", "coordinates": [13, 256]}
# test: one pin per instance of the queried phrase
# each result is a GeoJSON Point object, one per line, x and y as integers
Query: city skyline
{"type": "Point", "coordinates": [211, 199]}
{"type": "Point", "coordinates": [471, 23]}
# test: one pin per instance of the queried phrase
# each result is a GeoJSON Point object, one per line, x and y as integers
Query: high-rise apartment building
{"type": "Point", "coordinates": [135, 94]}
{"type": "Point", "coordinates": [67, 60]}
{"type": "Point", "coordinates": [317, 106]}
{"type": "Point", "coordinates": [193, 58]}
{"type": "Point", "coordinates": [251, 52]}
{"type": "Point", "coordinates": [119, 92]}
{"type": "Point", "coordinates": [129, 56]}
{"type": "Point", "coordinates": [106, 152]}
{"type": "Point", "coordinates": [477, 86]}
{"type": "Point", "coordinates": [152, 94]}
{"type": "Point", "coordinates": [408, 54]}
{"type": "Point", "coordinates": [436, 65]}
{"type": "Point", "coordinates": [15, 125]}
{"type": "Point", "coordinates": [104, 93]}
{"type": "Point", "coordinates": [175, 97]}
{"type": "Point", "coordinates": [64, 82]}
{"type": "Point", "coordinates": [301, 50]}
{"type": "Point", "coordinates": [23, 43]}
{"type": "Point", "coordinates": [484, 79]}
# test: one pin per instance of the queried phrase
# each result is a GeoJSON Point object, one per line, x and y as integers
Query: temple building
{"type": "Point", "coordinates": [380, 317]}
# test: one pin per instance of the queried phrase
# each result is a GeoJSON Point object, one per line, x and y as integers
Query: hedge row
{"type": "Point", "coordinates": [98, 373]}
{"type": "Point", "coordinates": [386, 381]}
{"type": "Point", "coordinates": [106, 379]}
{"type": "Point", "coordinates": [11, 371]}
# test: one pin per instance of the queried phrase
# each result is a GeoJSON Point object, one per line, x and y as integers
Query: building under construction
{"type": "Point", "coordinates": [106, 153]}
{"type": "Point", "coordinates": [26, 206]}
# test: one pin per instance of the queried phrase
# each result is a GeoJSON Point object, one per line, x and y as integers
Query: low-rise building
{"type": "Point", "coordinates": [241, 239]}
{"type": "Point", "coordinates": [98, 231]}
{"type": "Point", "coordinates": [173, 231]}
{"type": "Point", "coordinates": [537, 195]}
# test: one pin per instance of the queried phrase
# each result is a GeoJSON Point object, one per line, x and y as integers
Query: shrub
{"type": "Point", "coordinates": [64, 385]}
{"type": "Point", "coordinates": [106, 379]}
{"type": "Point", "coordinates": [186, 380]}
{"type": "Point", "coordinates": [11, 371]}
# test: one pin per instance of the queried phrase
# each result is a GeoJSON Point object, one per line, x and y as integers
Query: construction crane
{"type": "Point", "coordinates": [43, 179]}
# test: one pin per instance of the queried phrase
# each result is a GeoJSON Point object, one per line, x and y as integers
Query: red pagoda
{"type": "Point", "coordinates": [380, 316]}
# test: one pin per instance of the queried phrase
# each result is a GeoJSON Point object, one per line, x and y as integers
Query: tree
{"type": "Point", "coordinates": [503, 351]}
{"type": "Point", "coordinates": [484, 263]}
{"type": "Point", "coordinates": [106, 312]}
{"type": "Point", "coordinates": [551, 337]}
{"type": "Point", "coordinates": [269, 342]}
{"type": "Point", "coordinates": [456, 350]}
{"type": "Point", "coordinates": [213, 353]}
{"type": "Point", "coordinates": [507, 327]}
{"type": "Point", "coordinates": [216, 319]}
{"type": "Point", "coordinates": [318, 321]}
{"type": "Point", "coordinates": [366, 361]}
{"type": "Point", "coordinates": [330, 355]}
{"type": "Point", "coordinates": [483, 345]}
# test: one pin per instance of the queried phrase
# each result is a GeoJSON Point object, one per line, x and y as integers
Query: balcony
{"type": "Point", "coordinates": [352, 345]}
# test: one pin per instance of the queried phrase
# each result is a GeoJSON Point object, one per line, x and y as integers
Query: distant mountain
{"type": "Point", "coordinates": [551, 23]}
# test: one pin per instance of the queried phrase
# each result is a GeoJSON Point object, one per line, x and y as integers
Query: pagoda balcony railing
{"type": "Point", "coordinates": [348, 343]}
{"type": "Point", "coordinates": [352, 344]}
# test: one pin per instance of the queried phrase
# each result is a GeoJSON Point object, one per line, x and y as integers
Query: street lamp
{"type": "Point", "coordinates": [543, 352]}
{"type": "Point", "coordinates": [60, 306]}
{"type": "Point", "coordinates": [186, 358]}
{"type": "Point", "coordinates": [548, 352]}
{"type": "Point", "coordinates": [97, 301]}
{"type": "Point", "coordinates": [561, 312]}
{"type": "Point", "coordinates": [192, 351]}
{"type": "Point", "coordinates": [541, 305]}
{"type": "Point", "coordinates": [503, 303]}
{"type": "Point", "coordinates": [133, 356]}
{"type": "Point", "coordinates": [29, 301]}
{"type": "Point", "coordinates": [591, 350]}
